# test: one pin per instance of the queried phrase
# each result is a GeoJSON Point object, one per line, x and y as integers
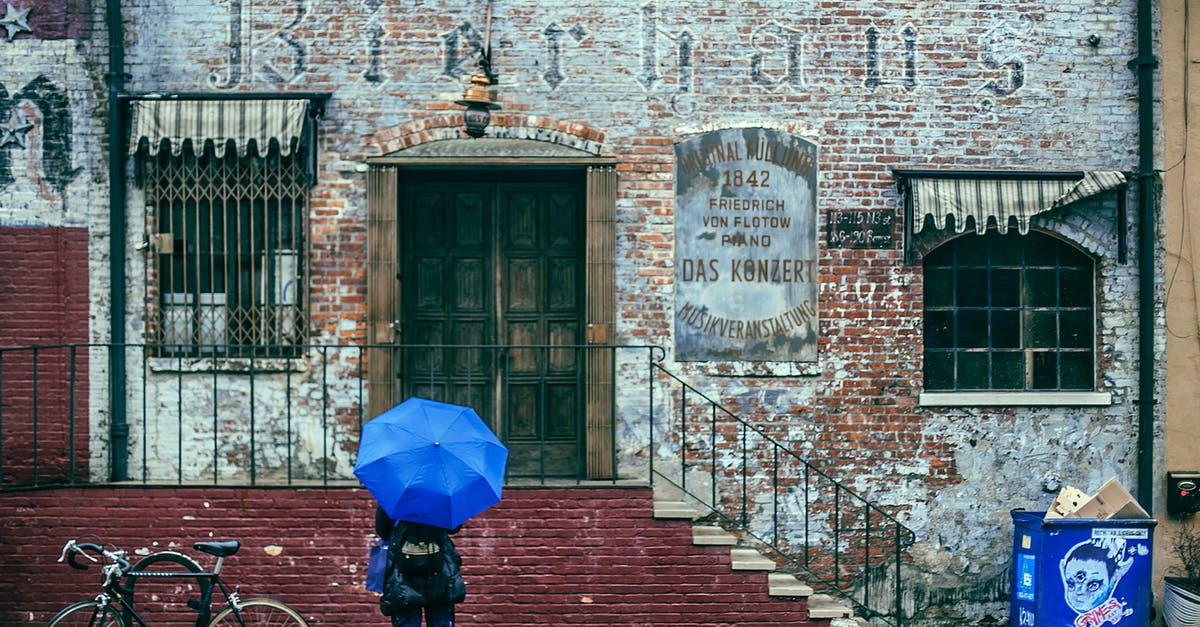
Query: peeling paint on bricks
{"type": "Point", "coordinates": [877, 86]}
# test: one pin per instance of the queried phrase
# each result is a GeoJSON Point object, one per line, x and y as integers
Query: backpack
{"type": "Point", "coordinates": [418, 550]}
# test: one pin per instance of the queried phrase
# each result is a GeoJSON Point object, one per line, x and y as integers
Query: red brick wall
{"type": "Point", "coordinates": [43, 285]}
{"type": "Point", "coordinates": [543, 556]}
{"type": "Point", "coordinates": [43, 301]}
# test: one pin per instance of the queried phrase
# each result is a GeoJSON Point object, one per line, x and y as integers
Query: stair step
{"type": "Point", "coordinates": [673, 510]}
{"type": "Point", "coordinates": [749, 559]}
{"type": "Point", "coordinates": [785, 585]}
{"type": "Point", "coordinates": [824, 606]}
{"type": "Point", "coordinates": [709, 535]}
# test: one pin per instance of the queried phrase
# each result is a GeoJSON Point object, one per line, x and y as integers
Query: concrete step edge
{"type": "Point", "coordinates": [673, 510]}
{"type": "Point", "coordinates": [825, 606]}
{"type": "Point", "coordinates": [785, 585]}
{"type": "Point", "coordinates": [709, 535]}
{"type": "Point", "coordinates": [750, 559]}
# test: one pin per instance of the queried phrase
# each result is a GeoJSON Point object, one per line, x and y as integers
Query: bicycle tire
{"type": "Point", "coordinates": [83, 613]}
{"type": "Point", "coordinates": [259, 613]}
{"type": "Point", "coordinates": [167, 561]}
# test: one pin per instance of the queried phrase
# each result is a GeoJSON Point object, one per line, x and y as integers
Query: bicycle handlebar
{"type": "Point", "coordinates": [73, 549]}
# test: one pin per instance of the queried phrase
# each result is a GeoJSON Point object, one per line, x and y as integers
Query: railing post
{"type": "Point", "coordinates": [649, 409]}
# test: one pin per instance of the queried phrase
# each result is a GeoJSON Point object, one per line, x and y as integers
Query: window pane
{"type": "Point", "coordinates": [1007, 250]}
{"type": "Point", "coordinates": [1076, 329]}
{"type": "Point", "coordinates": [972, 371]}
{"type": "Point", "coordinates": [1008, 370]}
{"type": "Point", "coordinates": [939, 287]}
{"type": "Point", "coordinates": [1045, 374]}
{"type": "Point", "coordinates": [1077, 371]}
{"type": "Point", "coordinates": [1006, 329]}
{"type": "Point", "coordinates": [1041, 329]}
{"type": "Point", "coordinates": [1041, 288]}
{"type": "Point", "coordinates": [1006, 288]}
{"type": "Point", "coordinates": [971, 250]}
{"type": "Point", "coordinates": [1076, 288]}
{"type": "Point", "coordinates": [972, 288]}
{"type": "Point", "coordinates": [1041, 250]}
{"type": "Point", "coordinates": [939, 329]}
{"type": "Point", "coordinates": [972, 329]}
{"type": "Point", "coordinates": [939, 370]}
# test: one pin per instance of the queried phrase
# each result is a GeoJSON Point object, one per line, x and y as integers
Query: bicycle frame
{"type": "Point", "coordinates": [202, 607]}
{"type": "Point", "coordinates": [114, 598]}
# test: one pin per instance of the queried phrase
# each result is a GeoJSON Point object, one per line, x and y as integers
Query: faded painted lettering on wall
{"type": "Point", "coordinates": [746, 247]}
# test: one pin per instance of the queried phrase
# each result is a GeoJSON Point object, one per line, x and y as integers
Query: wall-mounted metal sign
{"type": "Point", "coordinates": [746, 247]}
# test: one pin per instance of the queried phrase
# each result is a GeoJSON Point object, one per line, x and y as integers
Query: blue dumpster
{"type": "Point", "coordinates": [1080, 572]}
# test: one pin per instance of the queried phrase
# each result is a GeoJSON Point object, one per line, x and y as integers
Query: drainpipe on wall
{"type": "Point", "coordinates": [118, 428]}
{"type": "Point", "coordinates": [1144, 64]}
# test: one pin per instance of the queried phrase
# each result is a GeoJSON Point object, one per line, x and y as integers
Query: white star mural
{"type": "Point", "coordinates": [16, 21]}
{"type": "Point", "coordinates": [14, 130]}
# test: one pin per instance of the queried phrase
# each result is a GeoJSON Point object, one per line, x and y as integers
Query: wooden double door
{"type": "Point", "coordinates": [492, 275]}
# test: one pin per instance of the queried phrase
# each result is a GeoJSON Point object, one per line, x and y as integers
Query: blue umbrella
{"type": "Point", "coordinates": [431, 462]}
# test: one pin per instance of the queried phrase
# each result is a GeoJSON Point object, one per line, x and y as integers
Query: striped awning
{"type": "Point", "coordinates": [260, 121]}
{"type": "Point", "coordinates": [1000, 198]}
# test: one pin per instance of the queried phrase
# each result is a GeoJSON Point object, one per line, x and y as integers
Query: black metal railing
{"type": "Point", "coordinates": [286, 420]}
{"type": "Point", "coordinates": [753, 483]}
{"type": "Point", "coordinates": [296, 421]}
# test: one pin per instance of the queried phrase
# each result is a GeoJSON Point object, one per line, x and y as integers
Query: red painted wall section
{"type": "Point", "coordinates": [44, 302]}
{"type": "Point", "coordinates": [589, 556]}
{"type": "Point", "coordinates": [43, 285]}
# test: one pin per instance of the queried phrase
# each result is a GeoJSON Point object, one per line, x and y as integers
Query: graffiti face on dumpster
{"type": "Point", "coordinates": [1090, 572]}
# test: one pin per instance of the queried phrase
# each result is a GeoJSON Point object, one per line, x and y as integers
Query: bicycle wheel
{"type": "Point", "coordinates": [90, 613]}
{"type": "Point", "coordinates": [259, 613]}
{"type": "Point", "coordinates": [166, 591]}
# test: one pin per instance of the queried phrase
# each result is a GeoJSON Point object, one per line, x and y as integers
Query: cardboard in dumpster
{"type": "Point", "coordinates": [1068, 500]}
{"type": "Point", "coordinates": [1112, 500]}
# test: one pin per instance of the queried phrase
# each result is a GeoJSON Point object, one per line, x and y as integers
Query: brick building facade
{"type": "Point", "coordinates": [907, 375]}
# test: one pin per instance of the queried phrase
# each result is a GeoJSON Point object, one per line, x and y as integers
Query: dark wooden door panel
{"type": "Point", "coordinates": [499, 263]}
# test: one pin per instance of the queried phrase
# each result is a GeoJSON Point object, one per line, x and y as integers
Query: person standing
{"type": "Point", "coordinates": [423, 574]}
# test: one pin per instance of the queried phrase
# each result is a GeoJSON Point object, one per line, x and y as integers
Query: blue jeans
{"type": "Point", "coordinates": [435, 616]}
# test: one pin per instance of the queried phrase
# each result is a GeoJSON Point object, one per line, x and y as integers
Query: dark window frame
{"type": "Point", "coordinates": [228, 255]}
{"type": "Point", "coordinates": [1009, 313]}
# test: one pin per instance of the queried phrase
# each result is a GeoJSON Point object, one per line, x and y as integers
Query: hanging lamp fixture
{"type": "Point", "coordinates": [478, 97]}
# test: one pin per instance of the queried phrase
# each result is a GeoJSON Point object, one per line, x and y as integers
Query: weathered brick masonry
{"type": "Point", "coordinates": [876, 85]}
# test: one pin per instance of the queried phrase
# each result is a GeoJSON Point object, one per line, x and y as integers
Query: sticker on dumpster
{"type": "Point", "coordinates": [1026, 569]}
{"type": "Point", "coordinates": [1091, 571]}
{"type": "Point", "coordinates": [1130, 534]}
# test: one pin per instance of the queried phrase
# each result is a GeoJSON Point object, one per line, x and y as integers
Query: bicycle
{"type": "Point", "coordinates": [114, 606]}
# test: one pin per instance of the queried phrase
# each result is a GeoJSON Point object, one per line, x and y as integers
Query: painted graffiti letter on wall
{"type": "Point", "coordinates": [746, 247]}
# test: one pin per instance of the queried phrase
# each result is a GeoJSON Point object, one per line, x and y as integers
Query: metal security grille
{"type": "Point", "coordinates": [1009, 312]}
{"type": "Point", "coordinates": [228, 258]}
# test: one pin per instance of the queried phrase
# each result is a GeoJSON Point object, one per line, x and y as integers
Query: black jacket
{"type": "Point", "coordinates": [402, 590]}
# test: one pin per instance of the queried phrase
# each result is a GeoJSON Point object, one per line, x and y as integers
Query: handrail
{"type": "Point", "coordinates": [295, 421]}
{"type": "Point", "coordinates": [727, 465]}
{"type": "Point", "coordinates": [253, 420]}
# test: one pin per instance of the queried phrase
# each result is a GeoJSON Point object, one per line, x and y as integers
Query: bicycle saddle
{"type": "Point", "coordinates": [220, 548]}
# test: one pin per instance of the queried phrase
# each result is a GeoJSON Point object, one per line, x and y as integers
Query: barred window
{"type": "Point", "coordinates": [1009, 313]}
{"type": "Point", "coordinates": [228, 252]}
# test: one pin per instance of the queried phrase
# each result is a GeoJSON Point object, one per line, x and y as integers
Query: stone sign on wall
{"type": "Point", "coordinates": [746, 247]}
